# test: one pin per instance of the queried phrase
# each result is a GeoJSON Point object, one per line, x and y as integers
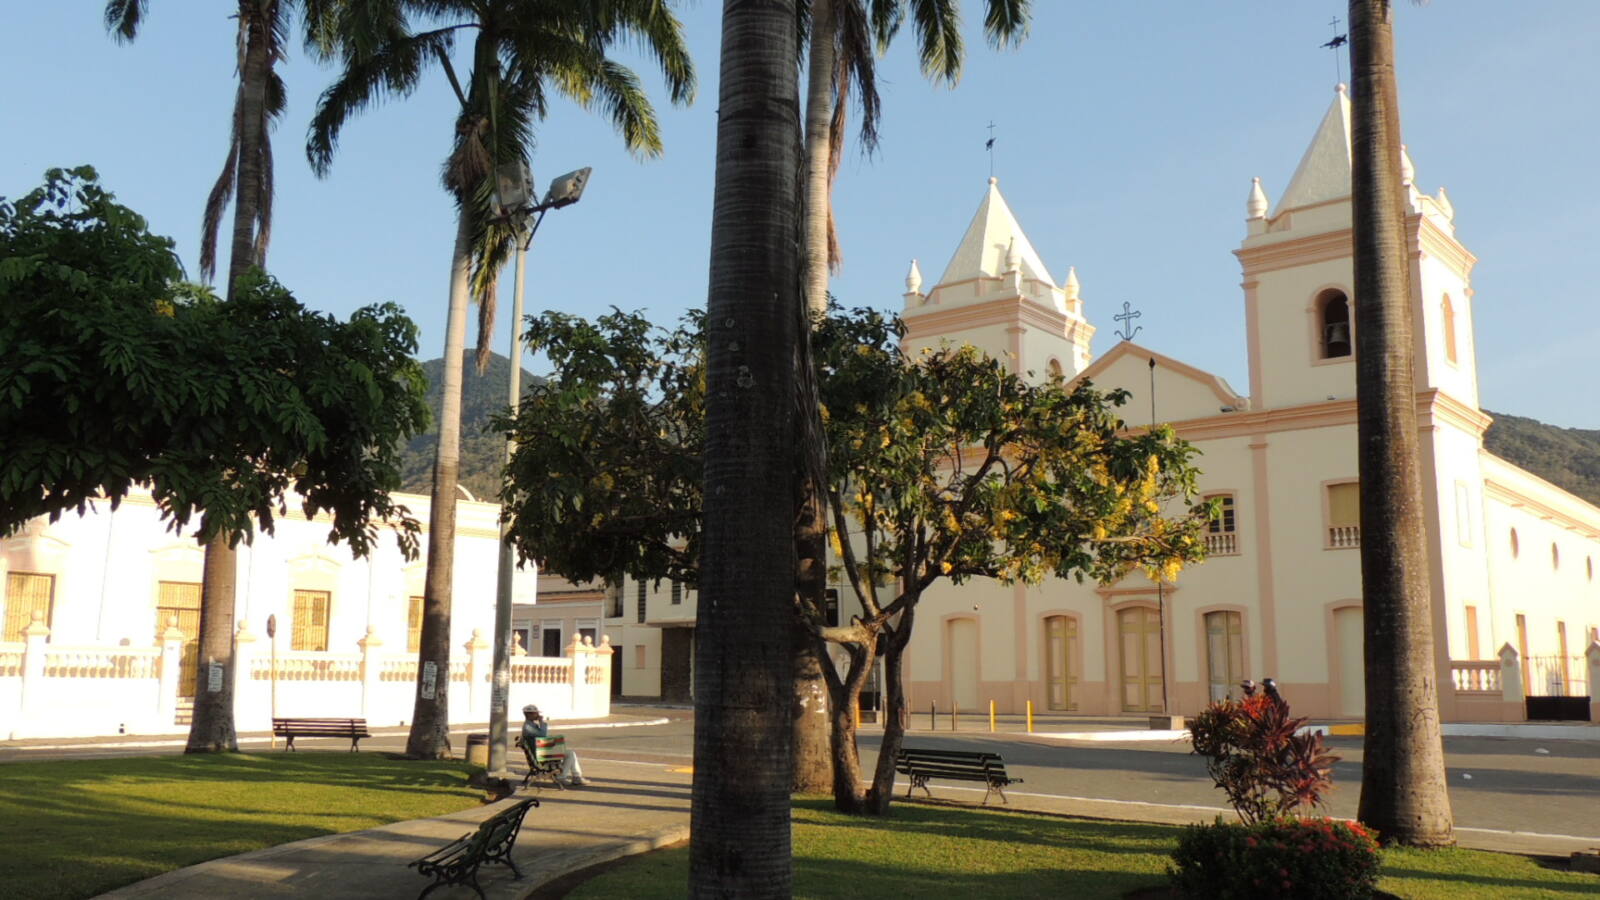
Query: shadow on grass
{"type": "Point", "coordinates": [74, 828]}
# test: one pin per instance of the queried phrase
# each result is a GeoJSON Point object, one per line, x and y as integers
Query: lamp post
{"type": "Point", "coordinates": [513, 193]}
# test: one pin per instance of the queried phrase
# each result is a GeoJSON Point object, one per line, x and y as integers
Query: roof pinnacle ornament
{"type": "Point", "coordinates": [1256, 206]}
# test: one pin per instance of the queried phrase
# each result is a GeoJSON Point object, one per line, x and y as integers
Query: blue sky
{"type": "Point", "coordinates": [1127, 138]}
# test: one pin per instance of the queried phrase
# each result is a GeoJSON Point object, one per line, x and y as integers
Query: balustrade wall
{"type": "Point", "coordinates": [64, 691]}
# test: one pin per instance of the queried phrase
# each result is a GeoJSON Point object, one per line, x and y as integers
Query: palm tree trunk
{"type": "Point", "coordinates": [1403, 789]}
{"type": "Point", "coordinates": [739, 819]}
{"type": "Point", "coordinates": [430, 717]}
{"type": "Point", "coordinates": [211, 728]}
{"type": "Point", "coordinates": [812, 742]}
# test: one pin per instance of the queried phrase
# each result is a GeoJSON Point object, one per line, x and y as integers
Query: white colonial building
{"type": "Point", "coordinates": [1512, 557]}
{"type": "Point", "coordinates": [101, 613]}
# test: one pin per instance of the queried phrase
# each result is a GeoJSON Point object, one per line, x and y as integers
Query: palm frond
{"type": "Point", "coordinates": [1006, 22]}
{"type": "Point", "coordinates": [392, 68]}
{"type": "Point", "coordinates": [857, 68]}
{"type": "Point", "coordinates": [221, 194]}
{"type": "Point", "coordinates": [885, 17]}
{"type": "Point", "coordinates": [123, 18]}
{"type": "Point", "coordinates": [939, 47]}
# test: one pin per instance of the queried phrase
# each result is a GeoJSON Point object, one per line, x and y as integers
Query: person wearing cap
{"type": "Point", "coordinates": [536, 726]}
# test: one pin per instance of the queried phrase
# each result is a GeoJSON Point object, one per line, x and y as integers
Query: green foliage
{"type": "Point", "coordinates": [80, 827]}
{"type": "Point", "coordinates": [955, 467]}
{"type": "Point", "coordinates": [1308, 859]}
{"type": "Point", "coordinates": [113, 374]}
{"type": "Point", "coordinates": [1566, 457]}
{"type": "Point", "coordinates": [1256, 758]}
{"type": "Point", "coordinates": [606, 477]}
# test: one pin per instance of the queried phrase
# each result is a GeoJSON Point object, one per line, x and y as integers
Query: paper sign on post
{"type": "Point", "coordinates": [214, 678]}
{"type": "Point", "coordinates": [430, 678]}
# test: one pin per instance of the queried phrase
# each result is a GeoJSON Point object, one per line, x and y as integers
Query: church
{"type": "Point", "coordinates": [1512, 558]}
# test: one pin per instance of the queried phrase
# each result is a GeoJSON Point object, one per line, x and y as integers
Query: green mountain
{"type": "Point", "coordinates": [482, 452]}
{"type": "Point", "coordinates": [1566, 457]}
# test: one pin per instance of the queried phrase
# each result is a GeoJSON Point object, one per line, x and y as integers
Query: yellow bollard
{"type": "Point", "coordinates": [1030, 717]}
{"type": "Point", "coordinates": [991, 717]}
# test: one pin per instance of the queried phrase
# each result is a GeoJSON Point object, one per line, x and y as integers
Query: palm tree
{"type": "Point", "coordinates": [246, 178]}
{"type": "Point", "coordinates": [739, 819]}
{"type": "Point", "coordinates": [1403, 790]}
{"type": "Point", "coordinates": [522, 50]}
{"type": "Point", "coordinates": [841, 63]}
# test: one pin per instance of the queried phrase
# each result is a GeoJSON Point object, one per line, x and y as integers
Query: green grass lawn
{"type": "Point", "coordinates": [76, 828]}
{"type": "Point", "coordinates": [924, 851]}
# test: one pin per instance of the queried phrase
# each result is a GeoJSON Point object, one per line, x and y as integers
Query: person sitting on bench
{"type": "Point", "coordinates": [536, 726]}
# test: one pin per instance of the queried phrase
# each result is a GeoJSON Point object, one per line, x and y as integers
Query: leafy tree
{"type": "Point", "coordinates": [1404, 796]}
{"type": "Point", "coordinates": [246, 178]}
{"type": "Point", "coordinates": [114, 374]}
{"type": "Point", "coordinates": [521, 53]}
{"type": "Point", "coordinates": [943, 467]}
{"type": "Point", "coordinates": [842, 62]}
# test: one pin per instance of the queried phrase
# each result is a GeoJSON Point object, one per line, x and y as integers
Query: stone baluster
{"type": "Point", "coordinates": [478, 671]}
{"type": "Point", "coordinates": [171, 658]}
{"type": "Point", "coordinates": [371, 668]}
{"type": "Point", "coordinates": [33, 701]}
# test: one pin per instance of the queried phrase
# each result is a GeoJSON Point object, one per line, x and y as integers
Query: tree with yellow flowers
{"type": "Point", "coordinates": [943, 466]}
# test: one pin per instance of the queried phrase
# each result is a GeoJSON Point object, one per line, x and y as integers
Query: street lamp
{"type": "Point", "coordinates": [513, 196]}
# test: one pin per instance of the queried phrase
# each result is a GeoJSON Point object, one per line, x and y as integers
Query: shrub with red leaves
{"type": "Point", "coordinates": [1255, 757]}
{"type": "Point", "coordinates": [1307, 859]}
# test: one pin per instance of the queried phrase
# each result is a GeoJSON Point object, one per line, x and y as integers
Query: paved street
{"type": "Point", "coordinates": [1511, 787]}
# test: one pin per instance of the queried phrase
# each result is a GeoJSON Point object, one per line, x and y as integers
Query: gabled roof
{"type": "Point", "coordinates": [1212, 385]}
{"type": "Point", "coordinates": [983, 248]}
{"type": "Point", "coordinates": [1324, 171]}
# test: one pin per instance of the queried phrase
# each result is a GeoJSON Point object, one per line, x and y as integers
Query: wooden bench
{"type": "Point", "coordinates": [458, 861]}
{"type": "Point", "coordinates": [956, 765]}
{"type": "Point", "coordinates": [354, 729]}
{"type": "Point", "coordinates": [545, 759]}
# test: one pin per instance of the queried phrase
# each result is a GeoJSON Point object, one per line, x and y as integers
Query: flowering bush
{"type": "Point", "coordinates": [1257, 759]}
{"type": "Point", "coordinates": [1307, 859]}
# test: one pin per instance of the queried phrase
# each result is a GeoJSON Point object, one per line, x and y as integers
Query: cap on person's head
{"type": "Point", "coordinates": [530, 709]}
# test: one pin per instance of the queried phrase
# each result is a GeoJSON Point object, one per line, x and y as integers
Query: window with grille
{"type": "Point", "coordinates": [310, 621]}
{"type": "Point", "coordinates": [642, 595]}
{"type": "Point", "coordinates": [414, 625]}
{"type": "Point", "coordinates": [677, 593]}
{"type": "Point", "coordinates": [27, 593]}
{"type": "Point", "coordinates": [178, 602]}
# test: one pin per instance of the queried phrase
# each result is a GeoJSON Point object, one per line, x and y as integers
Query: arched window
{"type": "Point", "coordinates": [1055, 368]}
{"type": "Point", "coordinates": [1449, 312]}
{"type": "Point", "coordinates": [1516, 546]}
{"type": "Point", "coordinates": [1555, 556]}
{"type": "Point", "coordinates": [1333, 321]}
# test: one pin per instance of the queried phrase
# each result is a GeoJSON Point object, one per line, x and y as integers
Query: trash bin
{"type": "Point", "coordinates": [478, 750]}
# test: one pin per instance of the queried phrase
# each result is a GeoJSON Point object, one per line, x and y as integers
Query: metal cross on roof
{"type": "Point", "coordinates": [1126, 317]}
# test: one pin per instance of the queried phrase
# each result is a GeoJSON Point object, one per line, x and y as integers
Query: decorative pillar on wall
{"type": "Point", "coordinates": [478, 660]}
{"type": "Point", "coordinates": [171, 657]}
{"type": "Point", "coordinates": [1593, 656]}
{"type": "Point", "coordinates": [33, 649]}
{"type": "Point", "coordinates": [371, 668]}
{"type": "Point", "coordinates": [1511, 690]}
{"type": "Point", "coordinates": [579, 669]}
{"type": "Point", "coordinates": [246, 710]}
{"type": "Point", "coordinates": [600, 697]}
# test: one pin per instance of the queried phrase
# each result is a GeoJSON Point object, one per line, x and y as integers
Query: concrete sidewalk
{"type": "Point", "coordinates": [627, 808]}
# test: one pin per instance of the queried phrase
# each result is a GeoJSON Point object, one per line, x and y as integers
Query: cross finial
{"type": "Point", "coordinates": [1338, 40]}
{"type": "Point", "coordinates": [1126, 317]}
{"type": "Point", "coordinates": [989, 146]}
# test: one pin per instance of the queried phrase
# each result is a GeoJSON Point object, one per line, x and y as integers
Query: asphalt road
{"type": "Point", "coordinates": [1496, 784]}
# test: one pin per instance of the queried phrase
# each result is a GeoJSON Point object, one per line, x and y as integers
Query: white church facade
{"type": "Point", "coordinates": [1512, 558]}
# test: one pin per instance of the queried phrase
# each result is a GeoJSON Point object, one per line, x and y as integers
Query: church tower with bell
{"type": "Point", "coordinates": [997, 295]}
